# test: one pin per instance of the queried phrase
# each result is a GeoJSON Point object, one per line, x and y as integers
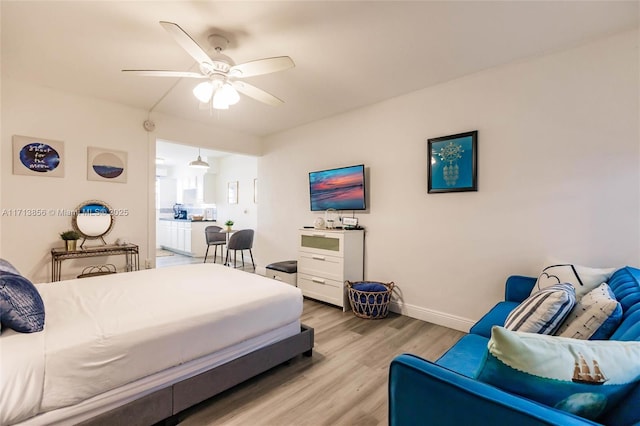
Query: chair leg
{"type": "Point", "coordinates": [242, 255]}
{"type": "Point", "coordinates": [226, 258]}
{"type": "Point", "coordinates": [254, 265]}
{"type": "Point", "coordinates": [235, 254]}
{"type": "Point", "coordinates": [215, 253]}
{"type": "Point", "coordinates": [205, 255]}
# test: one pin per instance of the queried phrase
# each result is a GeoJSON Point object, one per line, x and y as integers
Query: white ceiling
{"type": "Point", "coordinates": [173, 153]}
{"type": "Point", "coordinates": [347, 54]}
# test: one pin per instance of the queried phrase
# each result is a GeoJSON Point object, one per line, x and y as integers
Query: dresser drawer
{"type": "Point", "coordinates": [321, 265]}
{"type": "Point", "coordinates": [322, 242]}
{"type": "Point", "coordinates": [321, 288]}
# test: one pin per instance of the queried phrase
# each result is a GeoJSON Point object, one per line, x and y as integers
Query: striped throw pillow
{"type": "Point", "coordinates": [544, 311]}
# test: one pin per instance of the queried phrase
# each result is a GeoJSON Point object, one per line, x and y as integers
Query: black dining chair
{"type": "Point", "coordinates": [214, 238]}
{"type": "Point", "coordinates": [240, 240]}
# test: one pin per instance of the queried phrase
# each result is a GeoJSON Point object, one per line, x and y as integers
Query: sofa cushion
{"type": "Point", "coordinates": [596, 316]}
{"type": "Point", "coordinates": [583, 278]}
{"type": "Point", "coordinates": [584, 377]}
{"type": "Point", "coordinates": [466, 356]}
{"type": "Point", "coordinates": [626, 412]}
{"type": "Point", "coordinates": [496, 316]}
{"type": "Point", "coordinates": [21, 307]}
{"type": "Point", "coordinates": [543, 311]}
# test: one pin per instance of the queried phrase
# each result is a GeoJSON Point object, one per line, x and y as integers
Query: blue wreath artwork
{"type": "Point", "coordinates": [453, 167]}
{"type": "Point", "coordinates": [452, 163]}
{"type": "Point", "coordinates": [108, 165]}
{"type": "Point", "coordinates": [39, 157]}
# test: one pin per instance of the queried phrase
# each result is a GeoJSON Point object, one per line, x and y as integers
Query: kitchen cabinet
{"type": "Point", "coordinates": [183, 236]}
{"type": "Point", "coordinates": [209, 188]}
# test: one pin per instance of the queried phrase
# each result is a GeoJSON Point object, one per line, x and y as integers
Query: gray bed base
{"type": "Point", "coordinates": [164, 405]}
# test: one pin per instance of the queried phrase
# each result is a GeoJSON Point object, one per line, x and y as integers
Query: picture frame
{"type": "Point", "coordinates": [232, 192]}
{"type": "Point", "coordinates": [452, 163]}
{"type": "Point", "coordinates": [37, 156]}
{"type": "Point", "coordinates": [106, 165]}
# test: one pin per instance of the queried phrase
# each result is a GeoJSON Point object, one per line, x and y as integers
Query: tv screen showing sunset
{"type": "Point", "coordinates": [340, 189]}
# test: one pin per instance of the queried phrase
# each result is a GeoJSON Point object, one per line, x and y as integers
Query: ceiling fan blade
{"type": "Point", "coordinates": [257, 94]}
{"type": "Point", "coordinates": [263, 66]}
{"type": "Point", "coordinates": [162, 73]}
{"type": "Point", "coordinates": [186, 42]}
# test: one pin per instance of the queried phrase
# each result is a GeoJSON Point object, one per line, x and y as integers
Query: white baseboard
{"type": "Point", "coordinates": [434, 317]}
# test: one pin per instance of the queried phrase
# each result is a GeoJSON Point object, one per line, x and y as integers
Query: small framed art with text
{"type": "Point", "coordinates": [452, 163]}
{"type": "Point", "coordinates": [37, 156]}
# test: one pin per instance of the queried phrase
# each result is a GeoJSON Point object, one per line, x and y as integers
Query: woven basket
{"type": "Point", "coordinates": [369, 304]}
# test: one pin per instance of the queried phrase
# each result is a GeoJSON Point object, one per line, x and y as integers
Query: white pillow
{"type": "Point", "coordinates": [543, 311]}
{"type": "Point", "coordinates": [596, 315]}
{"type": "Point", "coordinates": [584, 377]}
{"type": "Point", "coordinates": [583, 278]}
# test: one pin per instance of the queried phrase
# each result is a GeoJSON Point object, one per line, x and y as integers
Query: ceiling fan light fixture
{"type": "Point", "coordinates": [219, 102]}
{"type": "Point", "coordinates": [199, 164]}
{"type": "Point", "coordinates": [230, 94]}
{"type": "Point", "coordinates": [203, 91]}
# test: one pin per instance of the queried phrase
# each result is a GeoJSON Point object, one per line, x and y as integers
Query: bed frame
{"type": "Point", "coordinates": [165, 404]}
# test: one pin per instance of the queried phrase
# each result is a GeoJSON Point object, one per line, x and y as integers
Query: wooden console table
{"type": "Point", "coordinates": [130, 251]}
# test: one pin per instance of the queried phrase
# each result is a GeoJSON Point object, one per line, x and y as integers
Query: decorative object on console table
{"type": "Point", "coordinates": [37, 157]}
{"type": "Point", "coordinates": [452, 163]}
{"type": "Point", "coordinates": [106, 165]}
{"type": "Point", "coordinates": [326, 259]}
{"type": "Point", "coordinates": [93, 219]}
{"type": "Point", "coordinates": [232, 192]}
{"type": "Point", "coordinates": [71, 239]}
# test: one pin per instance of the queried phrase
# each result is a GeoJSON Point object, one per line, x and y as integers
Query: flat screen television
{"type": "Point", "coordinates": [340, 189]}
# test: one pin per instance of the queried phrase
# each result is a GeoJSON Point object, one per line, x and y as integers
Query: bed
{"type": "Point", "coordinates": [140, 347]}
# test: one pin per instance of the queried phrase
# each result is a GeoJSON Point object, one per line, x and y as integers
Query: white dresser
{"type": "Point", "coordinates": [326, 259]}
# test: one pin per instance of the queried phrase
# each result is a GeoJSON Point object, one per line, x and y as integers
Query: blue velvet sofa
{"type": "Point", "coordinates": [445, 392]}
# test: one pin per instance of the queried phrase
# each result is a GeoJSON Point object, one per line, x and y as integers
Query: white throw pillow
{"type": "Point", "coordinates": [596, 315]}
{"type": "Point", "coordinates": [583, 278]}
{"type": "Point", "coordinates": [584, 377]}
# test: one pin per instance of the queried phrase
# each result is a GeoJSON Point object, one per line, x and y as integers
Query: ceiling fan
{"type": "Point", "coordinates": [222, 75]}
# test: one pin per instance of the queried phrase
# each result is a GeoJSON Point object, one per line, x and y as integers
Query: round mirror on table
{"type": "Point", "coordinates": [93, 219]}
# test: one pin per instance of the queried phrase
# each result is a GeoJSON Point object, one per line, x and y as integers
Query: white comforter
{"type": "Point", "coordinates": [103, 332]}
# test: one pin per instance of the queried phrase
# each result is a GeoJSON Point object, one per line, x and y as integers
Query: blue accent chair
{"type": "Point", "coordinates": [445, 392]}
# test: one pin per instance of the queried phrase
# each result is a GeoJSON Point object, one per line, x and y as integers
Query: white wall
{"type": "Point", "coordinates": [243, 169]}
{"type": "Point", "coordinates": [81, 122]}
{"type": "Point", "coordinates": [558, 175]}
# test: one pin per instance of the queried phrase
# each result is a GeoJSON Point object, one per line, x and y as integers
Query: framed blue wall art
{"type": "Point", "coordinates": [452, 163]}
{"type": "Point", "coordinates": [37, 156]}
{"type": "Point", "coordinates": [107, 165]}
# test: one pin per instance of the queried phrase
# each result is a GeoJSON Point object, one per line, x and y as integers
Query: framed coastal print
{"type": "Point", "coordinates": [452, 163]}
{"type": "Point", "coordinates": [37, 156]}
{"type": "Point", "coordinates": [106, 165]}
{"type": "Point", "coordinates": [232, 192]}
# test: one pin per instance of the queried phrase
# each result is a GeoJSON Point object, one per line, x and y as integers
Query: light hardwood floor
{"type": "Point", "coordinates": [343, 383]}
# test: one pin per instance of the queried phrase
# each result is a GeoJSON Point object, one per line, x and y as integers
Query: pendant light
{"type": "Point", "coordinates": [199, 164]}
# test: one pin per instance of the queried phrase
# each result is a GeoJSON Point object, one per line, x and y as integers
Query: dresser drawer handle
{"type": "Point", "coordinates": [317, 280]}
{"type": "Point", "coordinates": [318, 257]}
